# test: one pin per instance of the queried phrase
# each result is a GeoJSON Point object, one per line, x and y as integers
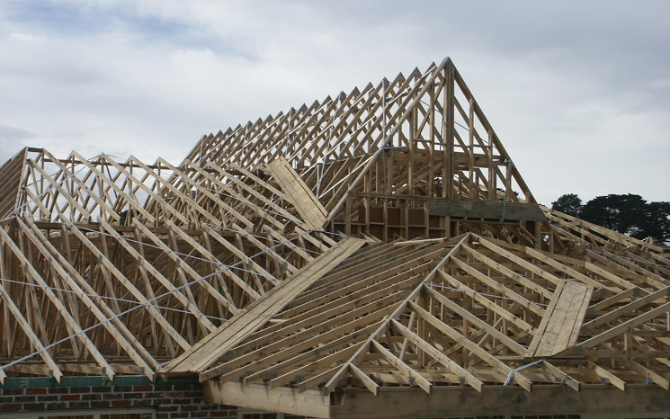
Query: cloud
{"type": "Point", "coordinates": [10, 138]}
{"type": "Point", "coordinates": [578, 92]}
{"type": "Point", "coordinates": [8, 134]}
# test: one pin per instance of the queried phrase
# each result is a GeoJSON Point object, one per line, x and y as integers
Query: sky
{"type": "Point", "coordinates": [577, 91]}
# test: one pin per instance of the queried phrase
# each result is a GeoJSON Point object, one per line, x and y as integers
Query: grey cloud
{"type": "Point", "coordinates": [9, 134]}
{"type": "Point", "coordinates": [574, 89]}
{"type": "Point", "coordinates": [12, 139]}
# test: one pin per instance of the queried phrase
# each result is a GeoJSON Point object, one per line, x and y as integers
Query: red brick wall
{"type": "Point", "coordinates": [171, 400]}
{"type": "Point", "coordinates": [176, 399]}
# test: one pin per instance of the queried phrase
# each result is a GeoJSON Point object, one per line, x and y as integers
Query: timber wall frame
{"type": "Point", "coordinates": [376, 242]}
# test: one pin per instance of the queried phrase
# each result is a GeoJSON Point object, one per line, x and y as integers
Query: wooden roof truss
{"type": "Point", "coordinates": [467, 311]}
{"type": "Point", "coordinates": [378, 242]}
{"type": "Point", "coordinates": [106, 260]}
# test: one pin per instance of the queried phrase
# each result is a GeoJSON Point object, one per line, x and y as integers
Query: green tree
{"type": "Point", "coordinates": [622, 213]}
{"type": "Point", "coordinates": [570, 204]}
{"type": "Point", "coordinates": [656, 222]}
{"type": "Point", "coordinates": [626, 213]}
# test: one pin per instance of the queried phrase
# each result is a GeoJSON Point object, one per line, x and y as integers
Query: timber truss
{"type": "Point", "coordinates": [376, 246]}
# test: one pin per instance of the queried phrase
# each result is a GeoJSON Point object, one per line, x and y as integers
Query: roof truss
{"type": "Point", "coordinates": [379, 244]}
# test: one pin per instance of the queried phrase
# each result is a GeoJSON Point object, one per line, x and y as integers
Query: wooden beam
{"type": "Point", "coordinates": [482, 300]}
{"type": "Point", "coordinates": [334, 381]}
{"type": "Point", "coordinates": [151, 269]}
{"type": "Point", "coordinates": [368, 382]}
{"type": "Point", "coordinates": [608, 376]}
{"type": "Point", "coordinates": [298, 374]}
{"type": "Point", "coordinates": [562, 376]}
{"type": "Point", "coordinates": [631, 307]}
{"type": "Point", "coordinates": [108, 319]}
{"type": "Point", "coordinates": [505, 291]}
{"type": "Point", "coordinates": [258, 396]}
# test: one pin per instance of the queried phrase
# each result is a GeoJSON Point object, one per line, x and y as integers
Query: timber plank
{"type": "Point", "coordinates": [299, 194]}
{"type": "Point", "coordinates": [562, 321]}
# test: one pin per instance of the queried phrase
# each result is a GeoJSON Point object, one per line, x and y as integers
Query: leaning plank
{"type": "Point", "coordinates": [299, 194]}
{"type": "Point", "coordinates": [559, 328]}
{"type": "Point", "coordinates": [208, 350]}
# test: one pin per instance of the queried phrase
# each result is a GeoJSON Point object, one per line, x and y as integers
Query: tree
{"type": "Point", "coordinates": [622, 213]}
{"type": "Point", "coordinates": [656, 222]}
{"type": "Point", "coordinates": [626, 213]}
{"type": "Point", "coordinates": [570, 204]}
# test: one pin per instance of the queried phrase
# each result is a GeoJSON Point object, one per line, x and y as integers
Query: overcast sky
{"type": "Point", "coordinates": [578, 91]}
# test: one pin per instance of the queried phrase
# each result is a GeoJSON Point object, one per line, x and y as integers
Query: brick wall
{"type": "Point", "coordinates": [170, 399]}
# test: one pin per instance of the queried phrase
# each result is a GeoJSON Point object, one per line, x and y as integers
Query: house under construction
{"type": "Point", "coordinates": [373, 255]}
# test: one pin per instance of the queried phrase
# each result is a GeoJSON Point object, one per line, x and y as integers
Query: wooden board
{"type": "Point", "coordinates": [299, 194]}
{"type": "Point", "coordinates": [560, 325]}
